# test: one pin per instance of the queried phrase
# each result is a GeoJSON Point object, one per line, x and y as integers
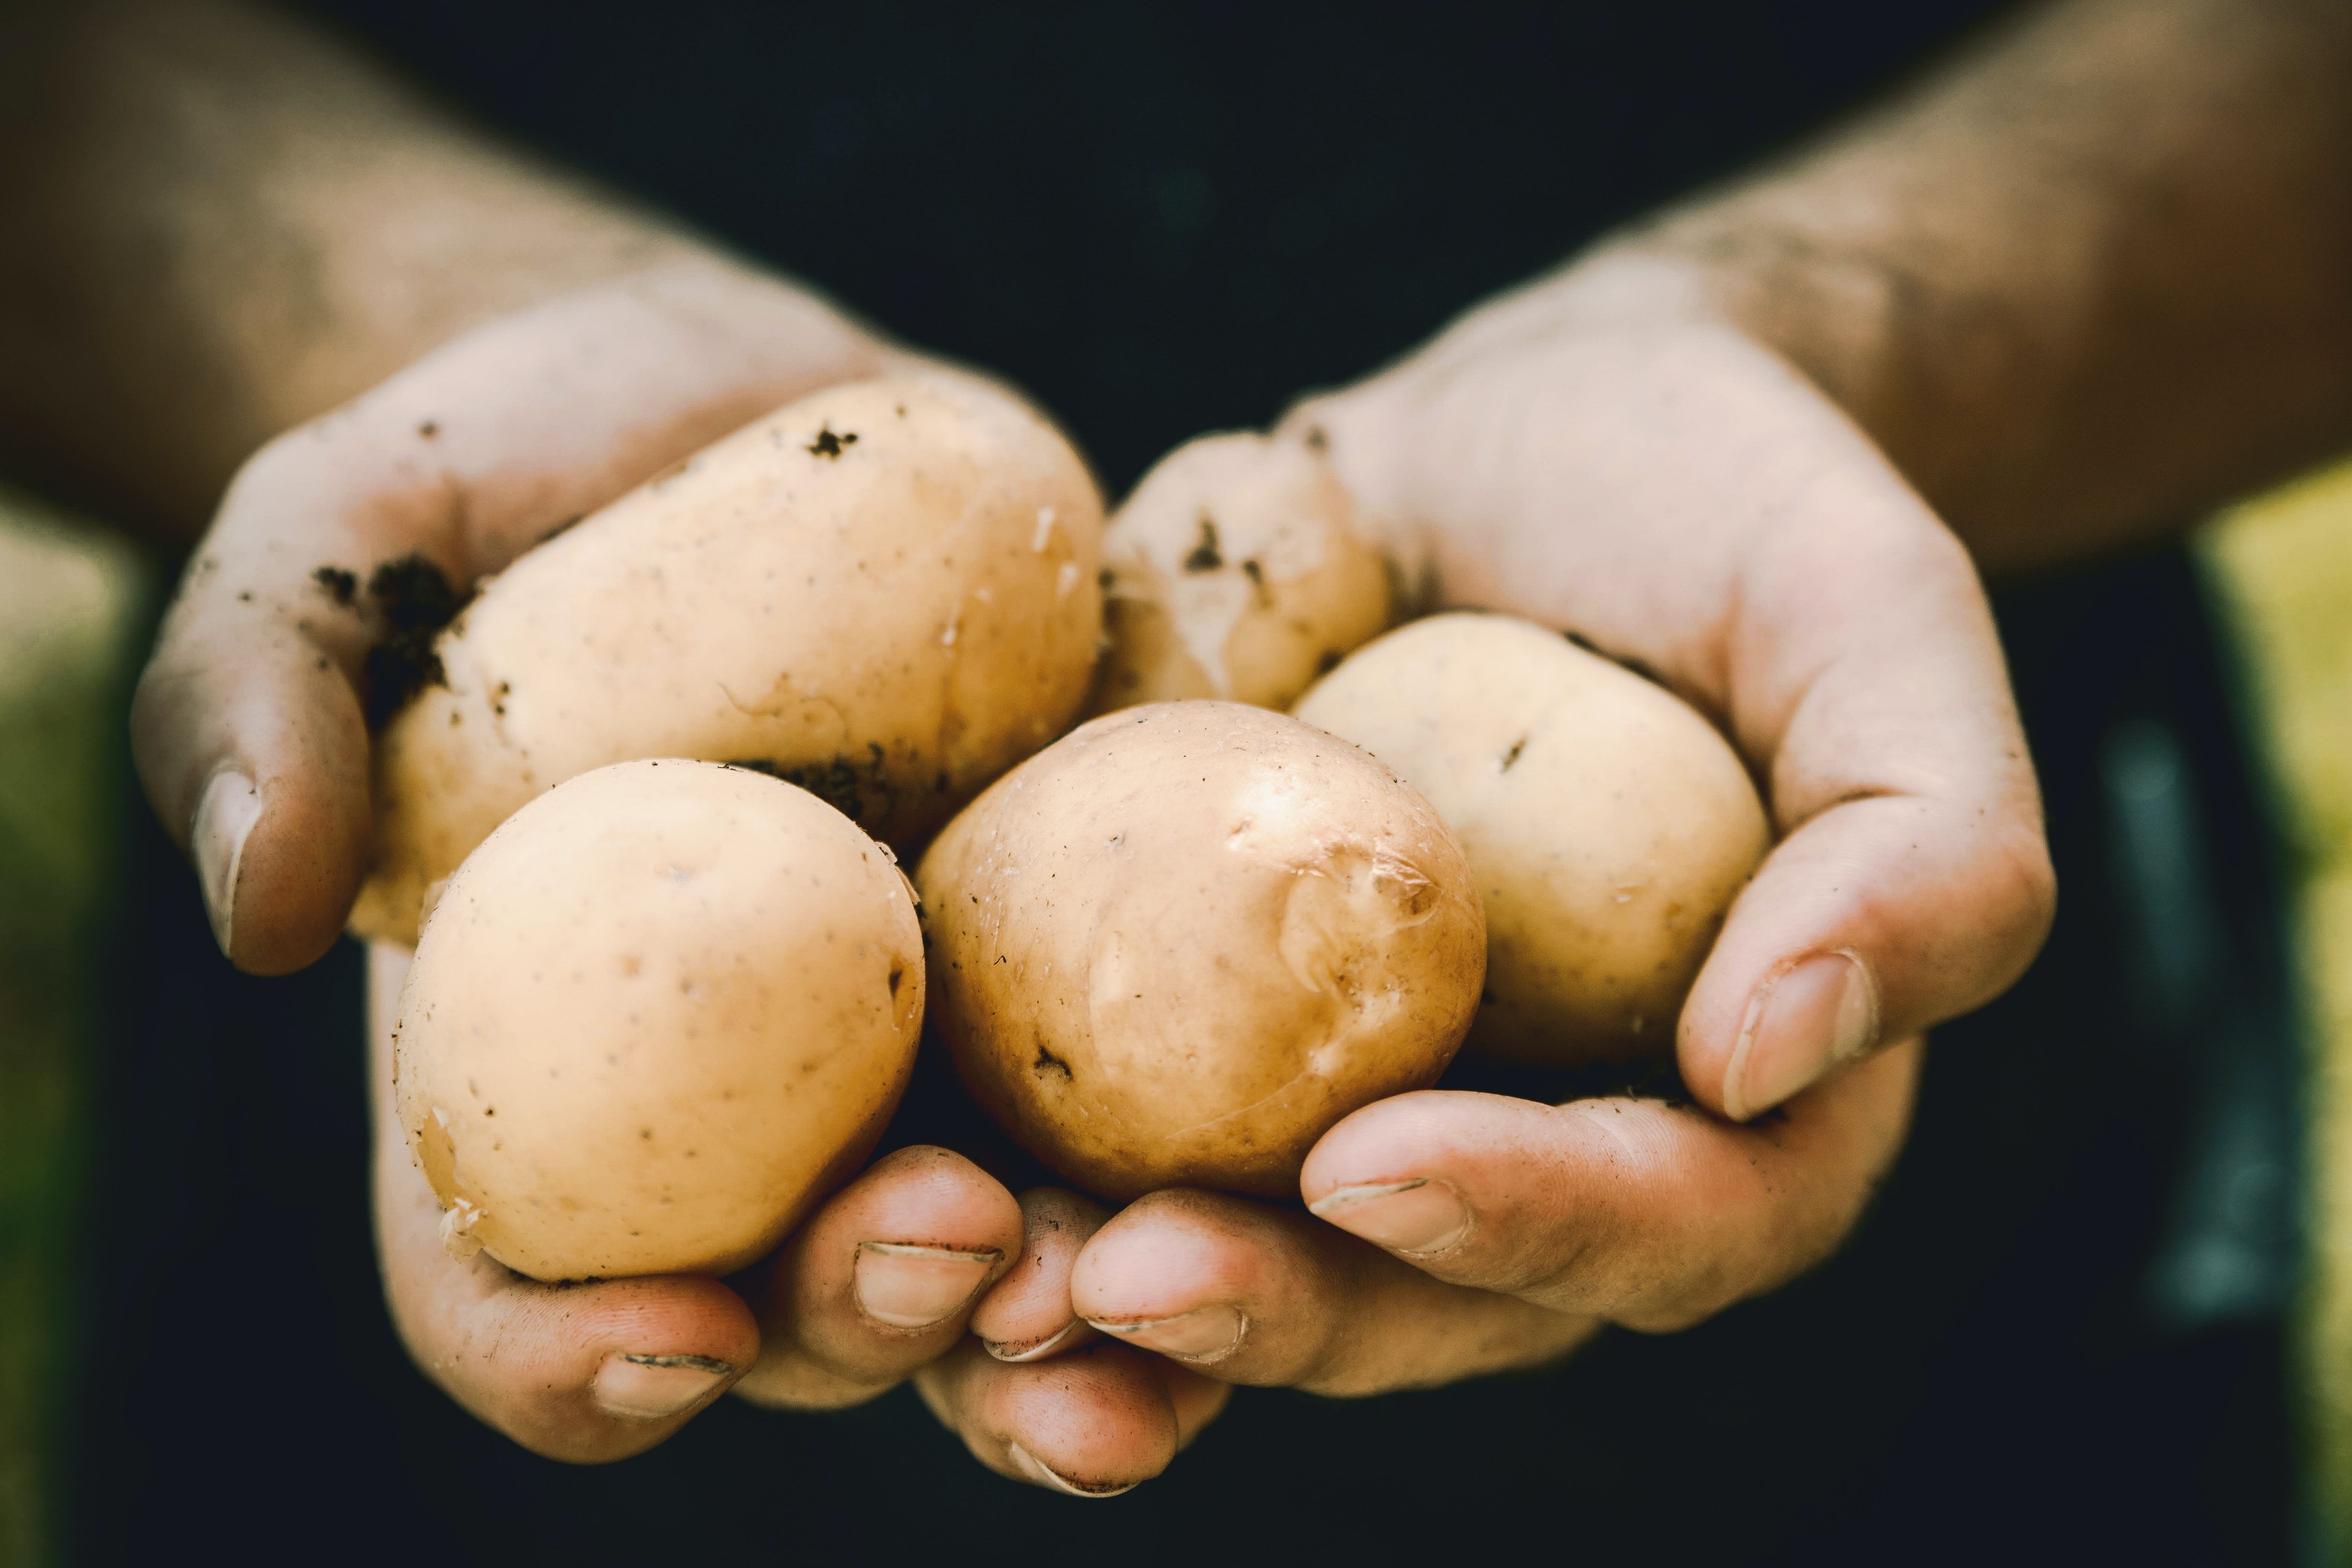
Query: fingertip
{"type": "Point", "coordinates": [670, 1345]}
{"type": "Point", "coordinates": [1805, 1020]}
{"type": "Point", "coordinates": [584, 1373]}
{"type": "Point", "coordinates": [925, 1184]}
{"type": "Point", "coordinates": [1098, 1422]}
{"type": "Point", "coordinates": [1878, 918]}
{"type": "Point", "coordinates": [1026, 1315]}
{"type": "Point", "coordinates": [255, 755]}
{"type": "Point", "coordinates": [882, 1279]}
{"type": "Point", "coordinates": [1161, 1257]}
{"type": "Point", "coordinates": [280, 885]}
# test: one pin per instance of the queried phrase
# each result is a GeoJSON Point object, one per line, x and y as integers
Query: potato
{"type": "Point", "coordinates": [884, 593]}
{"type": "Point", "coordinates": [1240, 568]}
{"type": "Point", "coordinates": [659, 1012]}
{"type": "Point", "coordinates": [1177, 945]}
{"type": "Point", "coordinates": [1609, 824]}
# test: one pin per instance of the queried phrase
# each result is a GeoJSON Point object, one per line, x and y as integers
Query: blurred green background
{"type": "Point", "coordinates": [70, 601]}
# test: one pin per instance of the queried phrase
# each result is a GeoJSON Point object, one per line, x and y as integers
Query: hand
{"type": "Point", "coordinates": [1599, 453]}
{"type": "Point", "coordinates": [249, 736]}
{"type": "Point", "coordinates": [247, 725]}
{"type": "Point", "coordinates": [1491, 1233]}
{"type": "Point", "coordinates": [881, 1281]}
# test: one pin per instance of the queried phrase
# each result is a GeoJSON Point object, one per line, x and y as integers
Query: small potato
{"type": "Point", "coordinates": [1240, 568]}
{"type": "Point", "coordinates": [1609, 824]}
{"type": "Point", "coordinates": [1177, 945]}
{"type": "Point", "coordinates": [884, 593]}
{"type": "Point", "coordinates": [656, 1016]}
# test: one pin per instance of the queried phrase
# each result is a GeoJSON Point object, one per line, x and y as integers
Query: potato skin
{"type": "Point", "coordinates": [886, 592]}
{"type": "Point", "coordinates": [656, 1016]}
{"type": "Point", "coordinates": [1176, 946]}
{"type": "Point", "coordinates": [1240, 568]}
{"type": "Point", "coordinates": [1609, 824]}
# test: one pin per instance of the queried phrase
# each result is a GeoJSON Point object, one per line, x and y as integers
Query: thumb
{"type": "Point", "coordinates": [247, 733]}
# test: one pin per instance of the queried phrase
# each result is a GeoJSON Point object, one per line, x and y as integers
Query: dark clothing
{"type": "Point", "coordinates": [2052, 1341]}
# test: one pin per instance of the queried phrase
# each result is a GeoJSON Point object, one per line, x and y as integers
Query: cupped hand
{"type": "Point", "coordinates": [251, 736]}
{"type": "Point", "coordinates": [249, 725]}
{"type": "Point", "coordinates": [1602, 452]}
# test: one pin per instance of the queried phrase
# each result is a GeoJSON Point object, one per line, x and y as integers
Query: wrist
{"type": "Point", "coordinates": [1832, 310]}
{"type": "Point", "coordinates": [233, 225]}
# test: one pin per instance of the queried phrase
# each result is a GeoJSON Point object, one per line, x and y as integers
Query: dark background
{"type": "Point", "coordinates": [2058, 1336]}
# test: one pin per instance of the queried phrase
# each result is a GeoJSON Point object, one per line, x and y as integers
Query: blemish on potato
{"type": "Point", "coordinates": [1259, 592]}
{"type": "Point", "coordinates": [340, 584]}
{"type": "Point", "coordinates": [1204, 556]}
{"type": "Point", "coordinates": [829, 445]}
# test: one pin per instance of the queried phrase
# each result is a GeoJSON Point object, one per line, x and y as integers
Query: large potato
{"type": "Point", "coordinates": [1177, 945]}
{"type": "Point", "coordinates": [653, 1018]}
{"type": "Point", "coordinates": [1609, 824]}
{"type": "Point", "coordinates": [884, 593]}
{"type": "Point", "coordinates": [1240, 568]}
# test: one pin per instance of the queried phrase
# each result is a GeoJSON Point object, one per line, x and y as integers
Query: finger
{"type": "Point", "coordinates": [1645, 1213]}
{"type": "Point", "coordinates": [1684, 499]}
{"type": "Point", "coordinates": [1026, 1315]}
{"type": "Point", "coordinates": [882, 1279]}
{"type": "Point", "coordinates": [1912, 881]}
{"type": "Point", "coordinates": [1253, 1294]}
{"type": "Point", "coordinates": [583, 1373]}
{"type": "Point", "coordinates": [1095, 1421]}
{"type": "Point", "coordinates": [249, 725]}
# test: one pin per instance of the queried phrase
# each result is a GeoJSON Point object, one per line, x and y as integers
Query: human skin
{"type": "Point", "coordinates": [2064, 294]}
{"type": "Point", "coordinates": [2086, 282]}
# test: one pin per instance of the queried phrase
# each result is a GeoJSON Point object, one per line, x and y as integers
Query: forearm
{"type": "Point", "coordinates": [2087, 281]}
{"type": "Point", "coordinates": [223, 223]}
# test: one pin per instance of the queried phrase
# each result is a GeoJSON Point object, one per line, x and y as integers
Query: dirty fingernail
{"type": "Point", "coordinates": [1801, 1023]}
{"type": "Point", "coordinates": [1418, 1215]}
{"type": "Point", "coordinates": [915, 1286]}
{"type": "Point", "coordinates": [1039, 1351]}
{"type": "Point", "coordinates": [1205, 1333]}
{"type": "Point", "coordinates": [657, 1387]}
{"type": "Point", "coordinates": [225, 818]}
{"type": "Point", "coordinates": [1026, 1463]}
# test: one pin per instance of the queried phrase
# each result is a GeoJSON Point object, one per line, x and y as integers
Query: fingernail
{"type": "Point", "coordinates": [1009, 1350]}
{"type": "Point", "coordinates": [1203, 1334]}
{"type": "Point", "coordinates": [1026, 1463]}
{"type": "Point", "coordinates": [915, 1286]}
{"type": "Point", "coordinates": [224, 817]}
{"type": "Point", "coordinates": [1418, 1215]}
{"type": "Point", "coordinates": [657, 1387]}
{"type": "Point", "coordinates": [1801, 1023]}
